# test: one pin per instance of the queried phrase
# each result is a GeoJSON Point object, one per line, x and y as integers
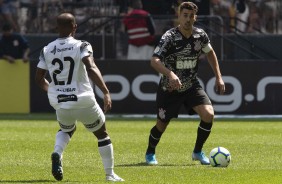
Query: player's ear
{"type": "Point", "coordinates": [74, 29]}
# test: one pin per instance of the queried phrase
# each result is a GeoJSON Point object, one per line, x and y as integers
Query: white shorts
{"type": "Point", "coordinates": [92, 118]}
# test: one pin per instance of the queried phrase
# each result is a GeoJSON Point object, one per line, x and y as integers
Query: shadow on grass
{"type": "Point", "coordinates": [35, 181]}
{"type": "Point", "coordinates": [27, 181]}
{"type": "Point", "coordinates": [142, 164]}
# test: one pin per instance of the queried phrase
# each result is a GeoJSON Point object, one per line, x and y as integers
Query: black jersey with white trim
{"type": "Point", "coordinates": [181, 55]}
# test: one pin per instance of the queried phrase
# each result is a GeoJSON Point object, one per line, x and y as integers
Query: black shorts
{"type": "Point", "coordinates": [169, 103]}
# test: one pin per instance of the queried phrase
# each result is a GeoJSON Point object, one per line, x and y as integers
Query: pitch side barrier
{"type": "Point", "coordinates": [14, 90]}
{"type": "Point", "coordinates": [252, 88]}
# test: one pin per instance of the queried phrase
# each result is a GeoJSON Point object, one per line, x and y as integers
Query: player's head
{"type": "Point", "coordinates": [188, 6]}
{"type": "Point", "coordinates": [66, 24]}
{"type": "Point", "coordinates": [187, 14]}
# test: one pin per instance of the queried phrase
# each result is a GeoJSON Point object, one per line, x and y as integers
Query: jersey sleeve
{"type": "Point", "coordinates": [163, 45]}
{"type": "Point", "coordinates": [206, 43]}
{"type": "Point", "coordinates": [85, 49]}
{"type": "Point", "coordinates": [42, 64]}
{"type": "Point", "coordinates": [207, 48]}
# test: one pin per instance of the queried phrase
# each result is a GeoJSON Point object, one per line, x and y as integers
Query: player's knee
{"type": "Point", "coordinates": [96, 125]}
{"type": "Point", "coordinates": [101, 133]}
{"type": "Point", "coordinates": [70, 133]}
{"type": "Point", "coordinates": [161, 126]}
{"type": "Point", "coordinates": [208, 115]}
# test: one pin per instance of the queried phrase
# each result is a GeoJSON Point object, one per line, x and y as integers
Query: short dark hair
{"type": "Point", "coordinates": [189, 6]}
{"type": "Point", "coordinates": [6, 27]}
{"type": "Point", "coordinates": [66, 19]}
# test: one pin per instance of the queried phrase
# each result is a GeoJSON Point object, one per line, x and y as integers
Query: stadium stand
{"type": "Point", "coordinates": [100, 20]}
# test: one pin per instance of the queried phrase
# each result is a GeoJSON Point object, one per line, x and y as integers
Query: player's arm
{"type": "Point", "coordinates": [26, 54]}
{"type": "Point", "coordinates": [174, 81]}
{"type": "Point", "coordinates": [96, 77]}
{"type": "Point", "coordinates": [212, 59]}
{"type": "Point", "coordinates": [40, 79]}
{"type": "Point", "coordinates": [9, 58]}
{"type": "Point", "coordinates": [26, 49]}
{"type": "Point", "coordinates": [159, 67]}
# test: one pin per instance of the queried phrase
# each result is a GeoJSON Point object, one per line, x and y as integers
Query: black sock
{"type": "Point", "coordinates": [203, 133]}
{"type": "Point", "coordinates": [154, 138]}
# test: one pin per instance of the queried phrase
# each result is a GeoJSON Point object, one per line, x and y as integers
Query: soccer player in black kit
{"type": "Point", "coordinates": [176, 58]}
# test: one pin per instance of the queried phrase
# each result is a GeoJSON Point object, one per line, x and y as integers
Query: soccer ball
{"type": "Point", "coordinates": [220, 157]}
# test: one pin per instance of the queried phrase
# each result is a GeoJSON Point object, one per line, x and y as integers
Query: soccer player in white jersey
{"type": "Point", "coordinates": [70, 65]}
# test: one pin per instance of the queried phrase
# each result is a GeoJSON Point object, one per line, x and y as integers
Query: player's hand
{"type": "Point", "coordinates": [174, 82]}
{"type": "Point", "coordinates": [10, 59]}
{"type": "Point", "coordinates": [107, 102]}
{"type": "Point", "coordinates": [220, 86]}
{"type": "Point", "coordinates": [25, 59]}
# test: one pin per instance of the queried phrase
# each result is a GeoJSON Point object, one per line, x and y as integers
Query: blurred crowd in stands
{"type": "Point", "coordinates": [38, 16]}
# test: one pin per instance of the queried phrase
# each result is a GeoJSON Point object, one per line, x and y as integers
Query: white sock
{"type": "Point", "coordinates": [62, 139]}
{"type": "Point", "coordinates": [107, 154]}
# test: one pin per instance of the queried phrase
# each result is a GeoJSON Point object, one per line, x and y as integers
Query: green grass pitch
{"type": "Point", "coordinates": [26, 143]}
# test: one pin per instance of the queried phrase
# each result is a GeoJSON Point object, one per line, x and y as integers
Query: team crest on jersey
{"type": "Point", "coordinates": [54, 50]}
{"type": "Point", "coordinates": [162, 113]}
{"type": "Point", "coordinates": [197, 44]}
{"type": "Point", "coordinates": [187, 49]}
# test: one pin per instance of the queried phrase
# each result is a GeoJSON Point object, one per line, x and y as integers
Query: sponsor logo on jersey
{"type": "Point", "coordinates": [66, 89]}
{"type": "Point", "coordinates": [54, 50]}
{"type": "Point", "coordinates": [186, 64]}
{"type": "Point", "coordinates": [64, 49]}
{"type": "Point", "coordinates": [66, 98]}
{"type": "Point", "coordinates": [187, 49]}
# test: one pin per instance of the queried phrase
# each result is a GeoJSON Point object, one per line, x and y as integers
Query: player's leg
{"type": "Point", "coordinates": [168, 106]}
{"type": "Point", "coordinates": [62, 139]}
{"type": "Point", "coordinates": [198, 102]}
{"type": "Point", "coordinates": [154, 138]}
{"type": "Point", "coordinates": [106, 151]}
{"type": "Point", "coordinates": [206, 114]}
{"type": "Point", "coordinates": [63, 136]}
{"type": "Point", "coordinates": [93, 119]}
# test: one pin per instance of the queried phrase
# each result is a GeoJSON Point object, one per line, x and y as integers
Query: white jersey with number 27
{"type": "Point", "coordinates": [70, 87]}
